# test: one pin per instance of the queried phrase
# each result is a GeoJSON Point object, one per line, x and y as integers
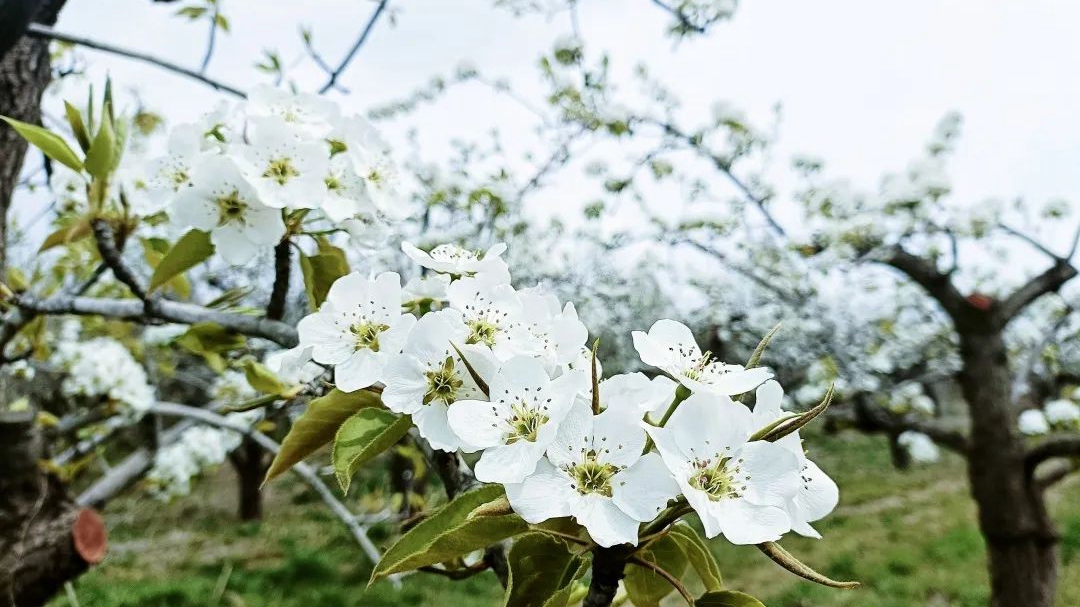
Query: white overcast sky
{"type": "Point", "coordinates": [861, 83]}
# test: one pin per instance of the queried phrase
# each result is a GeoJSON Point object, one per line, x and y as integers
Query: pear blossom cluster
{"type": "Point", "coordinates": [1057, 414]}
{"type": "Point", "coordinates": [504, 373]}
{"type": "Point", "coordinates": [102, 367]}
{"type": "Point", "coordinates": [248, 173]}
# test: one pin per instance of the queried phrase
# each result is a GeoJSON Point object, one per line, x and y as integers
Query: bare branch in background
{"type": "Point", "coordinates": [355, 47]}
{"type": "Point", "coordinates": [684, 21]}
{"type": "Point", "coordinates": [41, 31]}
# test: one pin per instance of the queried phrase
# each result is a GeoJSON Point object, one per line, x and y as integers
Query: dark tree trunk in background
{"type": "Point", "coordinates": [250, 462]}
{"type": "Point", "coordinates": [1020, 537]}
{"type": "Point", "coordinates": [45, 538]}
{"type": "Point", "coordinates": [24, 74]}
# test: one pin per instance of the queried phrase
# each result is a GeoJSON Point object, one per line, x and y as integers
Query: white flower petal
{"type": "Point", "coordinates": [642, 490]}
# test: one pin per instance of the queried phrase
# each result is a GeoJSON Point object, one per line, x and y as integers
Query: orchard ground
{"type": "Point", "coordinates": [910, 537]}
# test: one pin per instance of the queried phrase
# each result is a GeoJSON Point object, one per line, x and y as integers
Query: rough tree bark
{"type": "Point", "coordinates": [1020, 537]}
{"type": "Point", "coordinates": [250, 462]}
{"type": "Point", "coordinates": [45, 538]}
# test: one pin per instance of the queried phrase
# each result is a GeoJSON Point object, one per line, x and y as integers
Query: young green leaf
{"type": "Point", "coordinates": [540, 566]}
{"type": "Point", "coordinates": [785, 559]}
{"type": "Point", "coordinates": [727, 598]}
{"type": "Point", "coordinates": [154, 250]}
{"type": "Point", "coordinates": [317, 426]}
{"type": "Point", "coordinates": [644, 586]}
{"type": "Point", "coordinates": [102, 157]}
{"type": "Point", "coordinates": [362, 437]}
{"type": "Point", "coordinates": [755, 358]}
{"type": "Point", "coordinates": [697, 552]}
{"type": "Point", "coordinates": [75, 120]}
{"type": "Point", "coordinates": [449, 533]}
{"type": "Point", "coordinates": [68, 234]}
{"type": "Point", "coordinates": [320, 271]}
{"type": "Point", "coordinates": [264, 380]}
{"type": "Point", "coordinates": [192, 248]}
{"type": "Point", "coordinates": [50, 144]}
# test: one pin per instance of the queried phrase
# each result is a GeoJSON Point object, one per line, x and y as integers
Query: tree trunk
{"type": "Point", "coordinates": [249, 461]}
{"type": "Point", "coordinates": [24, 74]}
{"type": "Point", "coordinates": [1019, 534]}
{"type": "Point", "coordinates": [608, 568]}
{"type": "Point", "coordinates": [45, 538]}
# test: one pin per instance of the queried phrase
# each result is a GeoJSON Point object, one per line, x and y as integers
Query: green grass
{"type": "Point", "coordinates": [909, 537]}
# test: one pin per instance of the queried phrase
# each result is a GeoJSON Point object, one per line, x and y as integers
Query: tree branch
{"type": "Point", "coordinates": [275, 310]}
{"type": "Point", "coordinates": [872, 417]}
{"type": "Point", "coordinates": [171, 311]}
{"type": "Point", "coordinates": [680, 16]}
{"type": "Point", "coordinates": [1048, 282]}
{"type": "Point", "coordinates": [301, 469]}
{"type": "Point", "coordinates": [936, 284]}
{"type": "Point", "coordinates": [42, 31]}
{"type": "Point", "coordinates": [1055, 446]}
{"type": "Point", "coordinates": [111, 253]}
{"type": "Point", "coordinates": [332, 81]}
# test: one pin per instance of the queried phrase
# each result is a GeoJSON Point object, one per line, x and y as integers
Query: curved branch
{"type": "Point", "coordinates": [301, 469]}
{"type": "Point", "coordinates": [872, 417]}
{"type": "Point", "coordinates": [171, 311]}
{"type": "Point", "coordinates": [1055, 446]}
{"type": "Point", "coordinates": [111, 253]}
{"type": "Point", "coordinates": [937, 284]}
{"type": "Point", "coordinates": [275, 310]}
{"type": "Point", "coordinates": [42, 31]}
{"type": "Point", "coordinates": [1048, 282]}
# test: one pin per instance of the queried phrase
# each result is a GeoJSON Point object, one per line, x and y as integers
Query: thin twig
{"type": "Point", "coordinates": [42, 31]}
{"type": "Point", "coordinates": [211, 39]}
{"type": "Point", "coordinates": [1031, 241]}
{"type": "Point", "coordinates": [680, 16]}
{"type": "Point", "coordinates": [355, 47]}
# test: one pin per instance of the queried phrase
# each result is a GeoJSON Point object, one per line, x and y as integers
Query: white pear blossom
{"type": "Point", "coordinates": [739, 489]}
{"type": "Point", "coordinates": [554, 335]}
{"type": "Point", "coordinates": [1061, 412]}
{"type": "Point", "coordinates": [1033, 422]}
{"type": "Point", "coordinates": [452, 259]}
{"type": "Point", "coordinates": [634, 395]}
{"type": "Point", "coordinates": [670, 346]}
{"type": "Point", "coordinates": [103, 367]}
{"type": "Point", "coordinates": [168, 175]}
{"type": "Point", "coordinates": [493, 313]}
{"type": "Point", "coordinates": [309, 114]}
{"type": "Point", "coordinates": [519, 422]}
{"type": "Point", "coordinates": [595, 472]}
{"type": "Point", "coordinates": [919, 446]}
{"type": "Point", "coordinates": [357, 327]}
{"type": "Point", "coordinates": [431, 287]}
{"type": "Point", "coordinates": [221, 201]}
{"type": "Point", "coordinates": [817, 494]}
{"type": "Point", "coordinates": [429, 376]}
{"type": "Point", "coordinates": [287, 171]}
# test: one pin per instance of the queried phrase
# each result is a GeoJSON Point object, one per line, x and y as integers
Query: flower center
{"type": "Point", "coordinates": [367, 335]}
{"type": "Point", "coordinates": [333, 183]}
{"type": "Point", "coordinates": [178, 178]}
{"type": "Point", "coordinates": [591, 476]}
{"type": "Point", "coordinates": [718, 480]}
{"type": "Point", "coordinates": [454, 253]}
{"type": "Point", "coordinates": [482, 332]}
{"type": "Point", "coordinates": [230, 208]}
{"type": "Point", "coordinates": [443, 383]}
{"type": "Point", "coordinates": [281, 170]}
{"type": "Point", "coordinates": [525, 423]}
{"type": "Point", "coordinates": [700, 366]}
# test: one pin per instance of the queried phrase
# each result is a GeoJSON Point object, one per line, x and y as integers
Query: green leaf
{"type": "Point", "coordinates": [450, 533]}
{"type": "Point", "coordinates": [192, 249]}
{"type": "Point", "coordinates": [210, 340]}
{"type": "Point", "coordinates": [727, 598]}
{"type": "Point", "coordinates": [154, 250]}
{"type": "Point", "coordinates": [74, 118]}
{"type": "Point", "coordinates": [192, 12]}
{"type": "Point", "coordinates": [540, 567]}
{"type": "Point", "coordinates": [755, 358]}
{"type": "Point", "coordinates": [264, 380]}
{"type": "Point", "coordinates": [362, 437]}
{"type": "Point", "coordinates": [320, 271]}
{"type": "Point", "coordinates": [67, 234]}
{"type": "Point", "coordinates": [51, 144]}
{"type": "Point", "coordinates": [785, 559]}
{"type": "Point", "coordinates": [566, 594]}
{"type": "Point", "coordinates": [317, 427]}
{"type": "Point", "coordinates": [103, 157]}
{"type": "Point", "coordinates": [646, 587]}
{"type": "Point", "coordinates": [697, 552]}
